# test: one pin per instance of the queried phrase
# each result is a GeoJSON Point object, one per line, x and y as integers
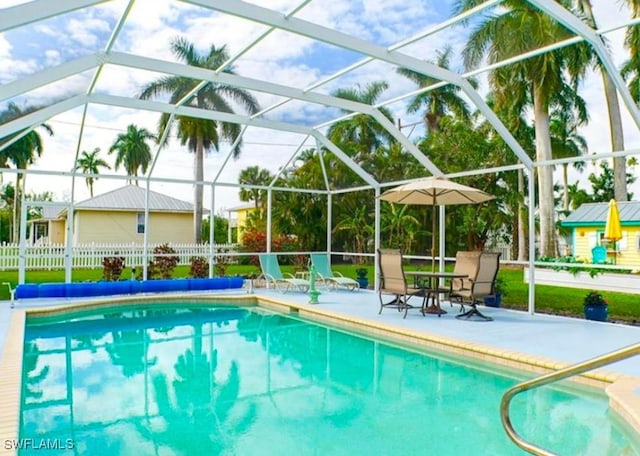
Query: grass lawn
{"type": "Point", "coordinates": [553, 300]}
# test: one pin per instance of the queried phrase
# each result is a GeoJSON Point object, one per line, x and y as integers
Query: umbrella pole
{"type": "Point", "coordinates": [433, 236]}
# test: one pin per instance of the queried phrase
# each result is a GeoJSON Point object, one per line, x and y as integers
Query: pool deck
{"type": "Point", "coordinates": [550, 342]}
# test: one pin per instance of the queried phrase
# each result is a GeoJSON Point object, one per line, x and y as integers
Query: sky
{"type": "Point", "coordinates": [281, 58]}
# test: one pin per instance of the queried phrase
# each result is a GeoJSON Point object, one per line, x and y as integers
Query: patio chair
{"type": "Point", "coordinates": [482, 284]}
{"type": "Point", "coordinates": [393, 281]}
{"type": "Point", "coordinates": [273, 275]}
{"type": "Point", "coordinates": [329, 278]}
{"type": "Point", "coordinates": [466, 263]}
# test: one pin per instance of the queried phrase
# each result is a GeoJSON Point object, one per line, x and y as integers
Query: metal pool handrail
{"type": "Point", "coordinates": [570, 371]}
{"type": "Point", "coordinates": [12, 292]}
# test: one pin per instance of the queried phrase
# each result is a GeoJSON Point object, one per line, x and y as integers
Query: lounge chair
{"type": "Point", "coordinates": [322, 265]}
{"type": "Point", "coordinates": [466, 263]}
{"type": "Point", "coordinates": [480, 286]}
{"type": "Point", "coordinates": [393, 281]}
{"type": "Point", "coordinates": [272, 274]}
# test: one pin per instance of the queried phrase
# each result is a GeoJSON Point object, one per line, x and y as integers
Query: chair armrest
{"type": "Point", "coordinates": [267, 277]}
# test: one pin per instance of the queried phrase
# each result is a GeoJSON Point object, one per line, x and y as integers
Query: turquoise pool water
{"type": "Point", "coordinates": [190, 380]}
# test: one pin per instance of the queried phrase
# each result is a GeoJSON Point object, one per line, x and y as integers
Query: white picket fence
{"type": "Point", "coordinates": [90, 256]}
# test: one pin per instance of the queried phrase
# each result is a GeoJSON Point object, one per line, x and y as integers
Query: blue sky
{"type": "Point", "coordinates": [281, 58]}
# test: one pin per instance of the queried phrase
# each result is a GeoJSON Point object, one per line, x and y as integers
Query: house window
{"type": "Point", "coordinates": [140, 224]}
{"type": "Point", "coordinates": [611, 245]}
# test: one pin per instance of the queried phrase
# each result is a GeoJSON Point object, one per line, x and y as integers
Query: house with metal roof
{"type": "Point", "coordinates": [587, 225]}
{"type": "Point", "coordinates": [118, 217]}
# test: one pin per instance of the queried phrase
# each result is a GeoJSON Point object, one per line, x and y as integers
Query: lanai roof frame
{"type": "Point", "coordinates": [41, 9]}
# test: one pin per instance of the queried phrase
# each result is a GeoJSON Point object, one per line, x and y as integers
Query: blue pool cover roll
{"type": "Point", "coordinates": [102, 288]}
{"type": "Point", "coordinates": [51, 290]}
{"type": "Point", "coordinates": [27, 290]}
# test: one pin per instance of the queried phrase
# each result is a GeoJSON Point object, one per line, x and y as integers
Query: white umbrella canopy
{"type": "Point", "coordinates": [435, 191]}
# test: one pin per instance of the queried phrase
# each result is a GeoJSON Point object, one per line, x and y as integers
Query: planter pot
{"type": "Point", "coordinates": [363, 282]}
{"type": "Point", "coordinates": [596, 312]}
{"type": "Point", "coordinates": [493, 301]}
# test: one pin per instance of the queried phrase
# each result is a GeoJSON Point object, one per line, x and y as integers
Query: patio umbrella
{"type": "Point", "coordinates": [613, 229]}
{"type": "Point", "coordinates": [435, 191]}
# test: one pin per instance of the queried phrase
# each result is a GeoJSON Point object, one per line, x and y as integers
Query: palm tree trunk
{"type": "Point", "coordinates": [615, 120]}
{"type": "Point", "coordinates": [17, 200]}
{"type": "Point", "coordinates": [548, 245]}
{"type": "Point", "coordinates": [565, 188]}
{"type": "Point", "coordinates": [617, 137]}
{"type": "Point", "coordinates": [198, 175]}
{"type": "Point", "coordinates": [522, 232]}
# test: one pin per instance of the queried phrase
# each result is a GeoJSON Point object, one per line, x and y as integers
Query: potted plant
{"type": "Point", "coordinates": [361, 277]}
{"type": "Point", "coordinates": [596, 306]}
{"type": "Point", "coordinates": [495, 300]}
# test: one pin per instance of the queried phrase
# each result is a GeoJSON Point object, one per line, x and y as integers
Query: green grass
{"type": "Point", "coordinates": [552, 300]}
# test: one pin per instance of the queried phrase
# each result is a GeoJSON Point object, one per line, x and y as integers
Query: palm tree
{"type": "Point", "coordinates": [133, 152]}
{"type": "Point", "coordinates": [253, 175]}
{"type": "Point", "coordinates": [566, 143]}
{"type": "Point", "coordinates": [438, 102]}
{"type": "Point", "coordinates": [89, 163]}
{"type": "Point", "coordinates": [611, 95]}
{"type": "Point", "coordinates": [359, 226]}
{"type": "Point", "coordinates": [523, 28]}
{"type": "Point", "coordinates": [21, 153]}
{"type": "Point", "coordinates": [361, 131]}
{"type": "Point", "coordinates": [631, 68]}
{"type": "Point", "coordinates": [200, 135]}
{"type": "Point", "coordinates": [400, 226]}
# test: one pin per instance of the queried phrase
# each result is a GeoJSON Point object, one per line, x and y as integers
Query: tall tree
{"type": "Point", "coordinates": [200, 135]}
{"type": "Point", "coordinates": [611, 98]}
{"type": "Point", "coordinates": [437, 102]}
{"type": "Point", "coordinates": [602, 184]}
{"type": "Point", "coordinates": [522, 28]}
{"type": "Point", "coordinates": [21, 153]}
{"type": "Point", "coordinates": [90, 163]}
{"type": "Point", "coordinates": [361, 131]}
{"type": "Point", "coordinates": [254, 175]}
{"type": "Point", "coordinates": [566, 143]}
{"type": "Point", "coordinates": [133, 151]}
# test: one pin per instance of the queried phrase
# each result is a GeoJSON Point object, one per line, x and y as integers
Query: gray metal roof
{"type": "Point", "coordinates": [50, 212]}
{"type": "Point", "coordinates": [596, 214]}
{"type": "Point", "coordinates": [132, 198]}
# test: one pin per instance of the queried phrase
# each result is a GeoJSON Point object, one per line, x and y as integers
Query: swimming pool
{"type": "Point", "coordinates": [188, 379]}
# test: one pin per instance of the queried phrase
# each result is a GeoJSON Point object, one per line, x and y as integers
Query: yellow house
{"type": "Point", "coordinates": [47, 230]}
{"type": "Point", "coordinates": [118, 217]}
{"type": "Point", "coordinates": [587, 226]}
{"type": "Point", "coordinates": [242, 213]}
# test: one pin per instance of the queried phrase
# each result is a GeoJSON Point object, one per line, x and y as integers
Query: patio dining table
{"type": "Point", "coordinates": [432, 287]}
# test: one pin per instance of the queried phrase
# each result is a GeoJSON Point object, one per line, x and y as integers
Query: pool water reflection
{"type": "Point", "coordinates": [189, 380]}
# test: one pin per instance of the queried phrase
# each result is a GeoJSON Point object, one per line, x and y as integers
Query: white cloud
{"type": "Point", "coordinates": [83, 31]}
{"type": "Point", "coordinates": [5, 47]}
